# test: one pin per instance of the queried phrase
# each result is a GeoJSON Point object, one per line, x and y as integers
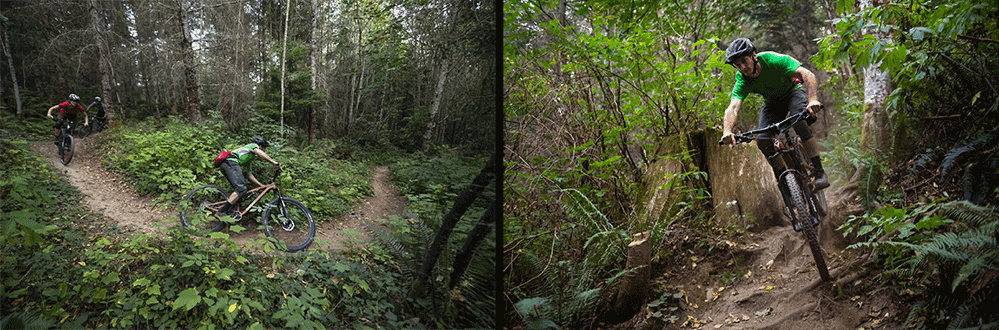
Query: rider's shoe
{"type": "Point", "coordinates": [821, 181]}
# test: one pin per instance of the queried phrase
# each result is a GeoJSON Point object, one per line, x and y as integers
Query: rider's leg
{"type": "Point", "coordinates": [234, 174]}
{"type": "Point", "coordinates": [799, 100]}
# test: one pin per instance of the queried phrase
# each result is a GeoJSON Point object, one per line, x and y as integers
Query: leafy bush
{"type": "Point", "coordinates": [80, 271]}
{"type": "Point", "coordinates": [945, 255]}
{"type": "Point", "coordinates": [169, 158]}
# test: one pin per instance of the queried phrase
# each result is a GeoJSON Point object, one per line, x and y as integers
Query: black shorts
{"type": "Point", "coordinates": [776, 110]}
{"type": "Point", "coordinates": [65, 116]}
{"type": "Point", "coordinates": [234, 173]}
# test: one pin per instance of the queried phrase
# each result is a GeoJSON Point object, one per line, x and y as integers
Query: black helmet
{"type": "Point", "coordinates": [261, 142]}
{"type": "Point", "coordinates": [73, 97]}
{"type": "Point", "coordinates": [97, 99]}
{"type": "Point", "coordinates": [738, 48]}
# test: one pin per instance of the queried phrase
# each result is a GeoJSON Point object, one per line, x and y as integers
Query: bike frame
{"type": "Point", "coordinates": [788, 156]}
{"type": "Point", "coordinates": [65, 126]}
{"type": "Point", "coordinates": [272, 185]}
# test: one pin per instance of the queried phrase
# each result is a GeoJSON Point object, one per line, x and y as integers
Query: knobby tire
{"type": "Point", "coordinates": [193, 215]}
{"type": "Point", "coordinates": [805, 220]}
{"type": "Point", "coordinates": [304, 231]}
{"type": "Point", "coordinates": [66, 149]}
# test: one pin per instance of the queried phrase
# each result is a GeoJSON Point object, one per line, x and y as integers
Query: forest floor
{"type": "Point", "coordinates": [768, 280]}
{"type": "Point", "coordinates": [111, 195]}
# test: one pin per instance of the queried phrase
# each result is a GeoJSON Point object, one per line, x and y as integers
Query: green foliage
{"type": "Point", "coordinates": [78, 273]}
{"type": "Point", "coordinates": [944, 253]}
{"type": "Point", "coordinates": [168, 158]}
{"type": "Point", "coordinates": [432, 185]}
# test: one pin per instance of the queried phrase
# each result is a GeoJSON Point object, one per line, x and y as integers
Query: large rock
{"type": "Point", "coordinates": [743, 187]}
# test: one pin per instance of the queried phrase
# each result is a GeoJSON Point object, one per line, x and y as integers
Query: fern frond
{"type": "Point", "coordinates": [870, 180]}
{"type": "Point", "coordinates": [581, 206]}
{"type": "Point", "coordinates": [969, 212]}
{"type": "Point", "coordinates": [983, 142]}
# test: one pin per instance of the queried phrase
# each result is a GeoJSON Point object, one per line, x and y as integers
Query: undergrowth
{"type": "Point", "coordinates": [65, 267]}
{"type": "Point", "coordinates": [168, 158]}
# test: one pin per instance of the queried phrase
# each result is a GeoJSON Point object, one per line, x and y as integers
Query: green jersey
{"type": "Point", "coordinates": [774, 81]}
{"type": "Point", "coordinates": [245, 154]}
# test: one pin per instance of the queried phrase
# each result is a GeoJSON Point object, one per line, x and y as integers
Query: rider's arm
{"type": "Point", "coordinates": [86, 117]}
{"type": "Point", "coordinates": [263, 155]}
{"type": "Point", "coordinates": [731, 115]}
{"type": "Point", "coordinates": [253, 179]}
{"type": "Point", "coordinates": [49, 114]}
{"type": "Point", "coordinates": [811, 86]}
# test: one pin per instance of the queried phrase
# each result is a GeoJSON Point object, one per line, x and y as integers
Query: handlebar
{"type": "Point", "coordinates": [777, 128]}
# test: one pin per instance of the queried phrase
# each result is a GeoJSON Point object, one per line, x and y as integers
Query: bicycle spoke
{"type": "Point", "coordinates": [290, 223]}
{"type": "Point", "coordinates": [196, 209]}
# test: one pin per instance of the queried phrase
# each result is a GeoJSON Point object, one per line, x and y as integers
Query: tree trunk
{"type": "Point", "coordinates": [435, 107]}
{"type": "Point", "coordinates": [450, 220]}
{"type": "Point", "coordinates": [13, 74]}
{"type": "Point", "coordinates": [877, 87]}
{"type": "Point", "coordinates": [635, 286]}
{"type": "Point", "coordinates": [284, 59]}
{"type": "Point", "coordinates": [190, 78]}
{"type": "Point", "coordinates": [487, 223]}
{"type": "Point", "coordinates": [102, 57]}
{"type": "Point", "coordinates": [312, 56]}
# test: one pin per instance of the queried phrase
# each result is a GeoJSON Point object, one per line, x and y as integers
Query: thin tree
{"type": "Point", "coordinates": [187, 53]}
{"type": "Point", "coordinates": [104, 62]}
{"type": "Point", "coordinates": [284, 59]}
{"type": "Point", "coordinates": [13, 74]}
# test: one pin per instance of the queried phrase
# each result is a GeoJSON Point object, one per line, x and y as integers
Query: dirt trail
{"type": "Point", "coordinates": [108, 193]}
{"type": "Point", "coordinates": [778, 286]}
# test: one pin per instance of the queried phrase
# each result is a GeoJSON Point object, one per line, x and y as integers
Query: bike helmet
{"type": "Point", "coordinates": [97, 99]}
{"type": "Point", "coordinates": [73, 97]}
{"type": "Point", "coordinates": [261, 142]}
{"type": "Point", "coordinates": [738, 48]}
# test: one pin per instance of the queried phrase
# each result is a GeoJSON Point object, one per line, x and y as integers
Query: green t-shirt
{"type": "Point", "coordinates": [776, 72]}
{"type": "Point", "coordinates": [245, 154]}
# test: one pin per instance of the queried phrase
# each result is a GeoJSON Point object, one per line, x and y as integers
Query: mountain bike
{"type": "Point", "coordinates": [65, 141]}
{"type": "Point", "coordinates": [284, 219]}
{"type": "Point", "coordinates": [97, 124]}
{"type": "Point", "coordinates": [802, 204]}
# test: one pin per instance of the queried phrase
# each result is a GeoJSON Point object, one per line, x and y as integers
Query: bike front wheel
{"type": "Point", "coordinates": [805, 218]}
{"type": "Point", "coordinates": [66, 149]}
{"type": "Point", "coordinates": [290, 223]}
{"type": "Point", "coordinates": [196, 211]}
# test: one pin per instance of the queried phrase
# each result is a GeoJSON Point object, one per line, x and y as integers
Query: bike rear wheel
{"type": "Point", "coordinates": [803, 215]}
{"type": "Point", "coordinates": [66, 149]}
{"type": "Point", "coordinates": [194, 210]}
{"type": "Point", "coordinates": [290, 223]}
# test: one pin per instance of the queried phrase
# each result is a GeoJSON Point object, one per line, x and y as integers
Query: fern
{"type": "Point", "coordinates": [870, 181]}
{"type": "Point", "coordinates": [962, 256]}
{"type": "Point", "coordinates": [983, 142]}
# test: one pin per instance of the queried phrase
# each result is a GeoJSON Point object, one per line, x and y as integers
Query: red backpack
{"type": "Point", "coordinates": [221, 157]}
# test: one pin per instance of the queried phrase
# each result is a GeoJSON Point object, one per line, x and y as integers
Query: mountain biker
{"type": "Point", "coordinates": [233, 166]}
{"type": "Point", "coordinates": [778, 78]}
{"type": "Point", "coordinates": [68, 111]}
{"type": "Point", "coordinates": [100, 109]}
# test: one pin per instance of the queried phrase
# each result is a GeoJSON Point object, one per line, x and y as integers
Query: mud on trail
{"type": "Point", "coordinates": [110, 194]}
{"type": "Point", "coordinates": [769, 281]}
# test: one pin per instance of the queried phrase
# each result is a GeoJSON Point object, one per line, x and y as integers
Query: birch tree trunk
{"type": "Point", "coordinates": [284, 59]}
{"type": "Point", "coordinates": [435, 107]}
{"type": "Point", "coordinates": [103, 59]}
{"type": "Point", "coordinates": [190, 77]}
{"type": "Point", "coordinates": [877, 87]}
{"type": "Point", "coordinates": [13, 74]}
